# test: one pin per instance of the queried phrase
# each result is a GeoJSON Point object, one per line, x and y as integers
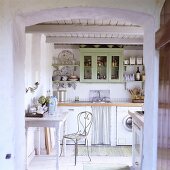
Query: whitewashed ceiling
{"type": "Point", "coordinates": [89, 31]}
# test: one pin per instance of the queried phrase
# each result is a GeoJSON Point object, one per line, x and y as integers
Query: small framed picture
{"type": "Point", "coordinates": [132, 60]}
{"type": "Point", "coordinates": [139, 61]}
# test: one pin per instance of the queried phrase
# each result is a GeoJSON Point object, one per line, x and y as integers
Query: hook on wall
{"type": "Point", "coordinates": [32, 89]}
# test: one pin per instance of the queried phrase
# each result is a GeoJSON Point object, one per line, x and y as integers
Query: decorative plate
{"type": "Point", "coordinates": [66, 57]}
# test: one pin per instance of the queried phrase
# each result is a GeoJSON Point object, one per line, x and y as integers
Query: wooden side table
{"type": "Point", "coordinates": [47, 121]}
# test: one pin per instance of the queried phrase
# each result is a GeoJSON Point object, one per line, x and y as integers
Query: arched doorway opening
{"type": "Point", "coordinates": [144, 20]}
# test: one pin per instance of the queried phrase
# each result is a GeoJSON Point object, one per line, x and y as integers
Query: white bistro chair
{"type": "Point", "coordinates": [84, 122]}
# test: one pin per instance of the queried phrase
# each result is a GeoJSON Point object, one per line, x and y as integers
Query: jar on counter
{"type": "Point", "coordinates": [61, 95]}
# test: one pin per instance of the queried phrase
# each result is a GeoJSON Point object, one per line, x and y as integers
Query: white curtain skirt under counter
{"type": "Point", "coordinates": [101, 125]}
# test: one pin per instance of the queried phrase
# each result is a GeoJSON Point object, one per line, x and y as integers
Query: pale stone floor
{"type": "Point", "coordinates": [47, 162]}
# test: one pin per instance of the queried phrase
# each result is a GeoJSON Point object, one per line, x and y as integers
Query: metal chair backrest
{"type": "Point", "coordinates": [84, 121]}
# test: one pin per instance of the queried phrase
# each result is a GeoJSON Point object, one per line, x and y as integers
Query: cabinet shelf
{"type": "Point", "coordinates": [132, 81]}
{"type": "Point", "coordinates": [70, 65]}
{"type": "Point", "coordinates": [101, 66]}
{"type": "Point", "coordinates": [87, 67]}
{"type": "Point", "coordinates": [68, 70]}
{"type": "Point", "coordinates": [130, 71]}
{"type": "Point", "coordinates": [67, 81]}
{"type": "Point", "coordinates": [133, 65]}
{"type": "Point", "coordinates": [114, 68]}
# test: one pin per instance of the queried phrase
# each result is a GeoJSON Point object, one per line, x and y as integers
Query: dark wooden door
{"type": "Point", "coordinates": [164, 110]}
{"type": "Point", "coordinates": [163, 44]}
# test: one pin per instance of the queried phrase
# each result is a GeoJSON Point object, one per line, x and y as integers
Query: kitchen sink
{"type": "Point", "coordinates": [100, 102]}
{"type": "Point", "coordinates": [92, 102]}
{"type": "Point", "coordinates": [82, 101]}
{"type": "Point", "coordinates": [100, 99]}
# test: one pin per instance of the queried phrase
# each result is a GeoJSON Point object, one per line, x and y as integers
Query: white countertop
{"type": "Point", "coordinates": [87, 103]}
{"type": "Point", "coordinates": [137, 118]}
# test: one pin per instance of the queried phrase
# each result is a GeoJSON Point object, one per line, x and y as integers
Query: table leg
{"type": "Point", "coordinates": [26, 160]}
{"type": "Point", "coordinates": [37, 143]}
{"type": "Point", "coordinates": [57, 144]}
{"type": "Point", "coordinates": [64, 141]}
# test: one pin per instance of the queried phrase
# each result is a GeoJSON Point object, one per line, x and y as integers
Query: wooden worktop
{"type": "Point", "coordinates": [83, 103]}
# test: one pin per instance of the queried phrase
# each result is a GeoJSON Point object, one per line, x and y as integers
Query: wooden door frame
{"type": "Point", "coordinates": [163, 36]}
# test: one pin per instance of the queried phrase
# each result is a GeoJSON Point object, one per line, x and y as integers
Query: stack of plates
{"type": "Point", "coordinates": [73, 78]}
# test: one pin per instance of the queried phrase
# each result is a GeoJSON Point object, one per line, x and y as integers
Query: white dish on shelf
{"type": "Point", "coordinates": [72, 79]}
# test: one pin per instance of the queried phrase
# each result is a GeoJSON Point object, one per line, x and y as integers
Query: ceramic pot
{"type": "Point", "coordinates": [64, 78]}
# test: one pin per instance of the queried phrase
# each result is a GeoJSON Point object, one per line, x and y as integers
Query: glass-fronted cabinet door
{"type": "Point", "coordinates": [101, 65]}
{"type": "Point", "coordinates": [86, 65]}
{"type": "Point", "coordinates": [101, 68]}
{"type": "Point", "coordinates": [116, 68]}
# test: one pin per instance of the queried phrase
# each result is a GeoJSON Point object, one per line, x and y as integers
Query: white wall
{"type": "Point", "coordinates": [117, 90]}
{"type": "Point", "coordinates": [151, 61]}
{"type": "Point", "coordinates": [37, 68]}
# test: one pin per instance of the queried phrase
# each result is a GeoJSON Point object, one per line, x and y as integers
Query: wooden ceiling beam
{"type": "Point", "coordinates": [127, 30]}
{"type": "Point", "coordinates": [76, 40]}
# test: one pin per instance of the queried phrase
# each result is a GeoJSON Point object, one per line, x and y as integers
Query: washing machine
{"type": "Point", "coordinates": [124, 125]}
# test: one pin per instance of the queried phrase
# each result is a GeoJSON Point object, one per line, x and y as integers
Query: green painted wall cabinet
{"type": "Point", "coordinates": [101, 64]}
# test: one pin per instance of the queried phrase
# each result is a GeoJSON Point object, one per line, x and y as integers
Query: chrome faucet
{"type": "Point", "coordinates": [99, 99]}
{"type": "Point", "coordinates": [100, 96]}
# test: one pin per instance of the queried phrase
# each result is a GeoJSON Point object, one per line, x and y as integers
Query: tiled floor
{"type": "Point", "coordinates": [47, 162]}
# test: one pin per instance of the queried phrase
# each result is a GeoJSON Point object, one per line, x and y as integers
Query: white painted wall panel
{"type": "Point", "coordinates": [37, 62]}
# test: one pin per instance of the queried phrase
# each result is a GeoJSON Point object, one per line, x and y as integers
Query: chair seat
{"type": "Point", "coordinates": [75, 136]}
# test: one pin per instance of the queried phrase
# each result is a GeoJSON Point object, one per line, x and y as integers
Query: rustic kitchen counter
{"type": "Point", "coordinates": [84, 103]}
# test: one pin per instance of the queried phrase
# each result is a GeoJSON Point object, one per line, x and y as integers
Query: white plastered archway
{"type": "Point", "coordinates": [150, 61]}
